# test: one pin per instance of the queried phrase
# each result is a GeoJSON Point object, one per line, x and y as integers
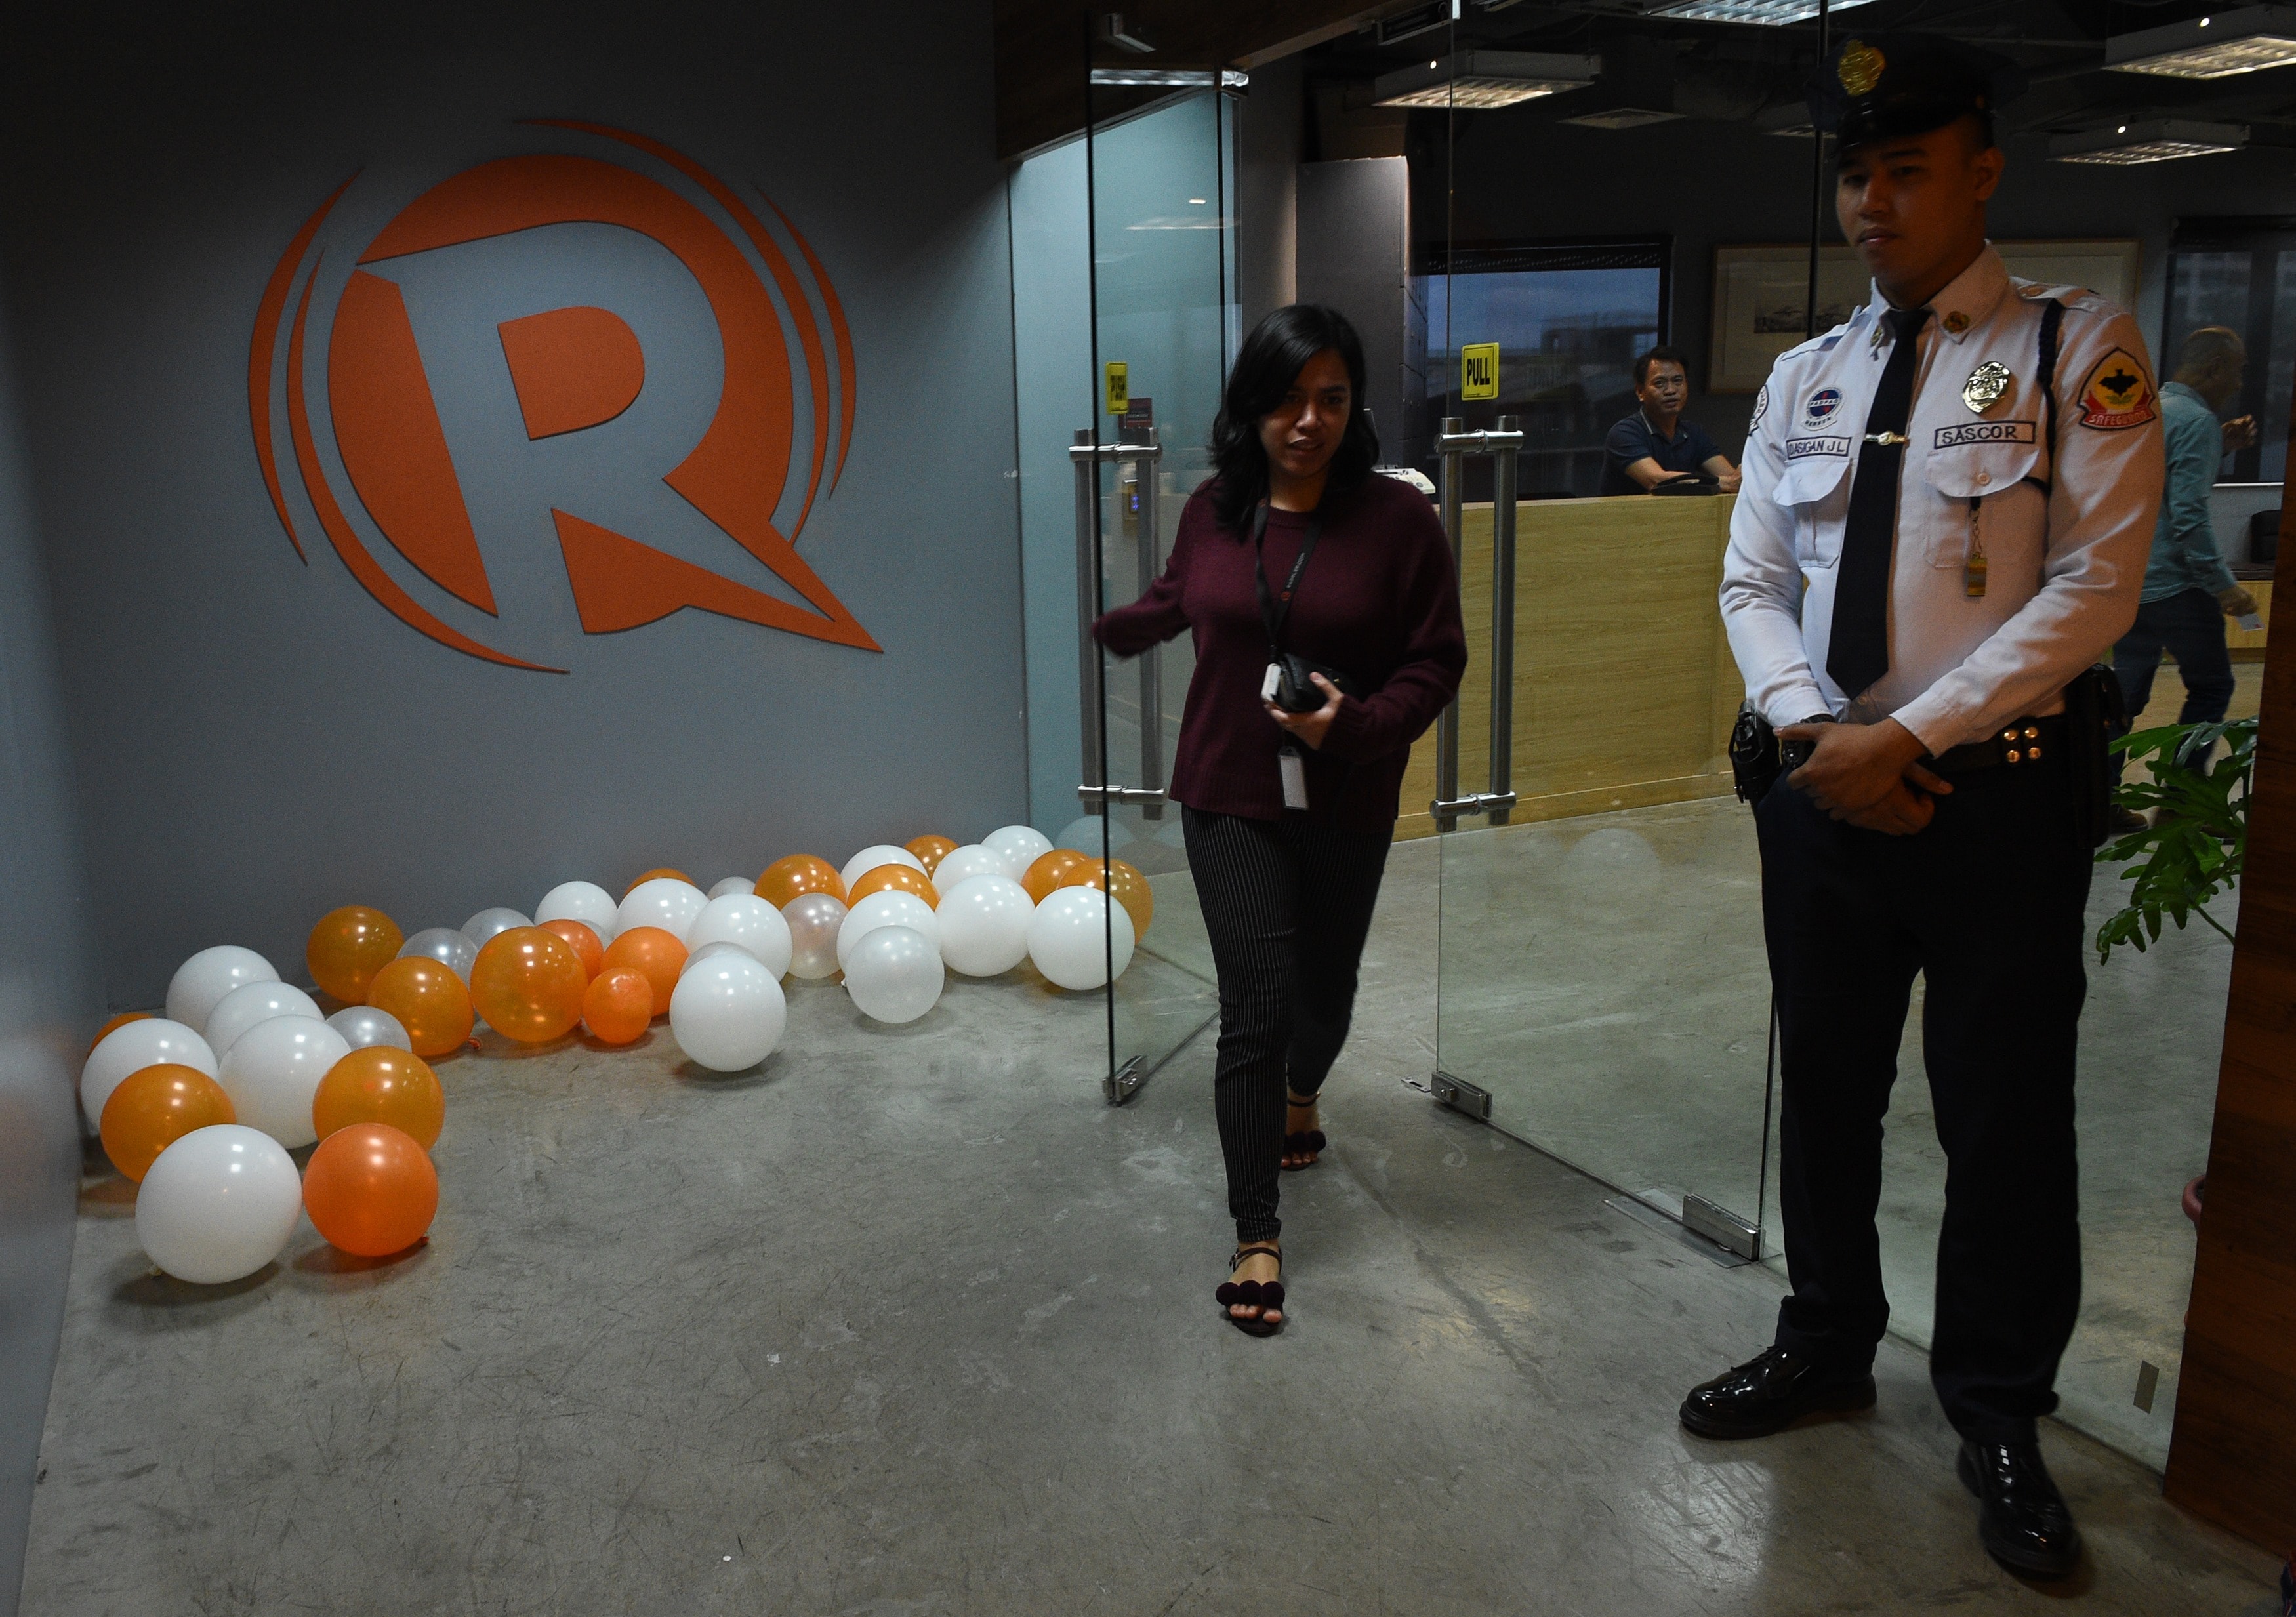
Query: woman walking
{"type": "Point", "coordinates": [1324, 613]}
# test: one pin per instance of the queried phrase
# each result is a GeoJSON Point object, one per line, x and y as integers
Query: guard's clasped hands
{"type": "Point", "coordinates": [1868, 774]}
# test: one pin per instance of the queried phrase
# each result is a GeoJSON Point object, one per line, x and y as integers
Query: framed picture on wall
{"type": "Point", "coordinates": [1761, 294]}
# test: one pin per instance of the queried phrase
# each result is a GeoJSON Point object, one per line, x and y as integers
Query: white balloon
{"type": "Point", "coordinates": [739, 885]}
{"type": "Point", "coordinates": [251, 1002]}
{"type": "Point", "coordinates": [710, 951]}
{"type": "Point", "coordinates": [984, 925]}
{"type": "Point", "coordinates": [814, 919]}
{"type": "Point", "coordinates": [887, 908]}
{"type": "Point", "coordinates": [665, 902]}
{"type": "Point", "coordinates": [744, 918]}
{"type": "Point", "coordinates": [1071, 934]}
{"type": "Point", "coordinates": [489, 923]}
{"type": "Point", "coordinates": [361, 1025]}
{"type": "Point", "coordinates": [273, 1071]}
{"type": "Point", "coordinates": [960, 864]}
{"type": "Point", "coordinates": [1019, 846]}
{"type": "Point", "coordinates": [1084, 834]}
{"type": "Point", "coordinates": [449, 946]}
{"type": "Point", "coordinates": [877, 853]}
{"type": "Point", "coordinates": [218, 1204]}
{"type": "Point", "coordinates": [727, 1013]}
{"type": "Point", "coordinates": [200, 982]}
{"type": "Point", "coordinates": [585, 901]}
{"type": "Point", "coordinates": [131, 1046]}
{"type": "Point", "coordinates": [894, 975]}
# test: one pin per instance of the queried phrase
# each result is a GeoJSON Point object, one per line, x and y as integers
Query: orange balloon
{"type": "Point", "coordinates": [430, 1001]}
{"type": "Point", "coordinates": [153, 1108]}
{"type": "Point", "coordinates": [658, 953]}
{"type": "Point", "coordinates": [931, 850]}
{"type": "Point", "coordinates": [617, 1004]}
{"type": "Point", "coordinates": [348, 947]}
{"type": "Point", "coordinates": [676, 875]}
{"type": "Point", "coordinates": [589, 948]}
{"type": "Point", "coordinates": [528, 983]}
{"type": "Point", "coordinates": [1052, 871]}
{"type": "Point", "coordinates": [382, 1084]}
{"type": "Point", "coordinates": [894, 878]}
{"type": "Point", "coordinates": [797, 876]}
{"type": "Point", "coordinates": [121, 1020]}
{"type": "Point", "coordinates": [370, 1190]}
{"type": "Point", "coordinates": [1132, 889]}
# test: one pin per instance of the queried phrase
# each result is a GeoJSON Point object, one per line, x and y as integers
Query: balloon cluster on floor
{"type": "Point", "coordinates": [201, 1106]}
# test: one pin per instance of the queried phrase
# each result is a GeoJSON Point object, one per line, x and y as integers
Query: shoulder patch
{"type": "Point", "coordinates": [2116, 394]}
{"type": "Point", "coordinates": [1761, 407]}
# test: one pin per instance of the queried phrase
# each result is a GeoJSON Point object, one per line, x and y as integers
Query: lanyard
{"type": "Point", "coordinates": [1271, 613]}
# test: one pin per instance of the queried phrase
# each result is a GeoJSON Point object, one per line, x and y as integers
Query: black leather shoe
{"type": "Point", "coordinates": [1771, 1393]}
{"type": "Point", "coordinates": [2023, 1519]}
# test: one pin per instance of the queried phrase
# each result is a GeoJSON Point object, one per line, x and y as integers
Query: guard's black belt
{"type": "Point", "coordinates": [2024, 741]}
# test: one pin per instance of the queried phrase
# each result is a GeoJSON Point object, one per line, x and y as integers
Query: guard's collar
{"type": "Point", "coordinates": [1966, 301]}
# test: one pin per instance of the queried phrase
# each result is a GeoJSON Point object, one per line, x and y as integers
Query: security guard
{"type": "Point", "coordinates": [1948, 507]}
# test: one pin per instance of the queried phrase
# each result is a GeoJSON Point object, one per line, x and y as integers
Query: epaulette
{"type": "Point", "coordinates": [2080, 298]}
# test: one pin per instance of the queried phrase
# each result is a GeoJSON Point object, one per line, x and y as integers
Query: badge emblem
{"type": "Point", "coordinates": [1985, 385]}
{"type": "Point", "coordinates": [1956, 322]}
{"type": "Point", "coordinates": [1823, 403]}
{"type": "Point", "coordinates": [1761, 405]}
{"type": "Point", "coordinates": [1860, 68]}
{"type": "Point", "coordinates": [2118, 394]}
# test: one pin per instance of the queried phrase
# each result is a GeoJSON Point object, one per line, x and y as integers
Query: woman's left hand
{"type": "Point", "coordinates": [1310, 728]}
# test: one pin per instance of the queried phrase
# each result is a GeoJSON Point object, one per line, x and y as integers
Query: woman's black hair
{"type": "Point", "coordinates": [1271, 360]}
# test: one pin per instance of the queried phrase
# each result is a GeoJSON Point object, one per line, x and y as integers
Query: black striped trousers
{"type": "Point", "coordinates": [1287, 904]}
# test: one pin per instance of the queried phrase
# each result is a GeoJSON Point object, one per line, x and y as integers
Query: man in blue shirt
{"type": "Point", "coordinates": [2188, 589]}
{"type": "Point", "coordinates": [1654, 443]}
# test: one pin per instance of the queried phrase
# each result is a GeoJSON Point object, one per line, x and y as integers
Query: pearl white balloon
{"type": "Point", "coordinates": [744, 918]}
{"type": "Point", "coordinates": [487, 924]}
{"type": "Point", "coordinates": [984, 925]}
{"type": "Point", "coordinates": [728, 1012]}
{"type": "Point", "coordinates": [894, 975]}
{"type": "Point", "coordinates": [449, 946]}
{"type": "Point", "coordinates": [896, 910]}
{"type": "Point", "coordinates": [273, 1071]}
{"type": "Point", "coordinates": [741, 886]}
{"type": "Point", "coordinates": [1072, 933]}
{"type": "Point", "coordinates": [218, 1204]}
{"type": "Point", "coordinates": [361, 1025]}
{"type": "Point", "coordinates": [1086, 832]}
{"type": "Point", "coordinates": [666, 902]}
{"type": "Point", "coordinates": [131, 1046]}
{"type": "Point", "coordinates": [960, 864]}
{"type": "Point", "coordinates": [878, 853]}
{"type": "Point", "coordinates": [585, 901]}
{"type": "Point", "coordinates": [814, 919]}
{"type": "Point", "coordinates": [251, 1002]}
{"type": "Point", "coordinates": [200, 982]}
{"type": "Point", "coordinates": [1019, 846]}
{"type": "Point", "coordinates": [710, 951]}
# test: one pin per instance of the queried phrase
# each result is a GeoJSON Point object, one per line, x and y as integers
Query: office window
{"type": "Point", "coordinates": [2240, 272]}
{"type": "Point", "coordinates": [1569, 319]}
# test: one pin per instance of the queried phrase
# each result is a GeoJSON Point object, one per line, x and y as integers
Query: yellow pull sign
{"type": "Point", "coordinates": [1120, 386]}
{"type": "Point", "coordinates": [1479, 371]}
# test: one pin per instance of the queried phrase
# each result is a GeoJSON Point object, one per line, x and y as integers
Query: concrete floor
{"type": "Point", "coordinates": [917, 1314]}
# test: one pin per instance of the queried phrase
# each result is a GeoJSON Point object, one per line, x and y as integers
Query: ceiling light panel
{"type": "Point", "coordinates": [2157, 141]}
{"type": "Point", "coordinates": [1764, 13]}
{"type": "Point", "coordinates": [1478, 80]}
{"type": "Point", "coordinates": [2215, 46]}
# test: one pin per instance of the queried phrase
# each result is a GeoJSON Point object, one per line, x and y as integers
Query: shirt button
{"type": "Point", "coordinates": [1984, 478]}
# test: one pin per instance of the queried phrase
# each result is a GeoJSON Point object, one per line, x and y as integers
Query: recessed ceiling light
{"type": "Point", "coordinates": [2246, 41]}
{"type": "Point", "coordinates": [1477, 80]}
{"type": "Point", "coordinates": [1623, 118]}
{"type": "Point", "coordinates": [2158, 141]}
{"type": "Point", "coordinates": [1764, 13]}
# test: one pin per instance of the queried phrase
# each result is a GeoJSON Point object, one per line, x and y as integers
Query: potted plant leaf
{"type": "Point", "coordinates": [2197, 842]}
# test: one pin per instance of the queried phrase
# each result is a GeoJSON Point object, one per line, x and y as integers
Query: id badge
{"type": "Point", "coordinates": [1293, 767]}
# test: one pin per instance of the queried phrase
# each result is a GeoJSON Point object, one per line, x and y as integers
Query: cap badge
{"type": "Point", "coordinates": [1956, 322]}
{"type": "Point", "coordinates": [1985, 385]}
{"type": "Point", "coordinates": [1860, 68]}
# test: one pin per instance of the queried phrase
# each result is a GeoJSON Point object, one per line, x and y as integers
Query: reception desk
{"type": "Point", "coordinates": [1624, 688]}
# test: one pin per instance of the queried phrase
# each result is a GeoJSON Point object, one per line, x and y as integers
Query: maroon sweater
{"type": "Point", "coordinates": [1379, 601]}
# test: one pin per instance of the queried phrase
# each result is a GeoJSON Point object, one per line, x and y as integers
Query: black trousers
{"type": "Point", "coordinates": [1987, 903]}
{"type": "Point", "coordinates": [2189, 626]}
{"type": "Point", "coordinates": [1287, 903]}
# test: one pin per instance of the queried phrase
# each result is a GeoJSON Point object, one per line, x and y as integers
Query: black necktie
{"type": "Point", "coordinates": [1858, 652]}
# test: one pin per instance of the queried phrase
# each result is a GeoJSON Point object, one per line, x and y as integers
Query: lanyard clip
{"type": "Point", "coordinates": [1888, 440]}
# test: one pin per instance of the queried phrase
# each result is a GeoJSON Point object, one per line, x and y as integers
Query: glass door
{"type": "Point", "coordinates": [1160, 188]}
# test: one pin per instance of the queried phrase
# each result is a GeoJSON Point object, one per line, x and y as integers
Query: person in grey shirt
{"type": "Point", "coordinates": [2188, 589]}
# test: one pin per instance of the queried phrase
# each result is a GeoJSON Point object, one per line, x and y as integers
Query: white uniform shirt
{"type": "Point", "coordinates": [2066, 527]}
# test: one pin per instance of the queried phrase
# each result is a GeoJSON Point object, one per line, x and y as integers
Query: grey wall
{"type": "Point", "coordinates": [1269, 124]}
{"type": "Point", "coordinates": [256, 739]}
{"type": "Point", "coordinates": [1355, 254]}
{"type": "Point", "coordinates": [1521, 176]}
{"type": "Point", "coordinates": [48, 999]}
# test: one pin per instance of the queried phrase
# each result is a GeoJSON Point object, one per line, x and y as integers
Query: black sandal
{"type": "Point", "coordinates": [1258, 1294]}
{"type": "Point", "coordinates": [1302, 1141]}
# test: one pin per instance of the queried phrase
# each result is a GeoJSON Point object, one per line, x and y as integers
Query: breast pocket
{"type": "Point", "coordinates": [1814, 486]}
{"type": "Point", "coordinates": [1974, 459]}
